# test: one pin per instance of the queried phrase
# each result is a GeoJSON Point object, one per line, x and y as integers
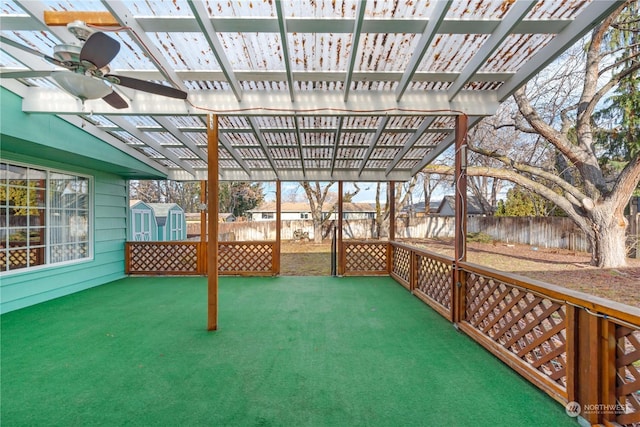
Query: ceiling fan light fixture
{"type": "Point", "coordinates": [81, 86]}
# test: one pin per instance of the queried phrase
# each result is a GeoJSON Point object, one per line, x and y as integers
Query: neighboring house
{"type": "Point", "coordinates": [418, 209]}
{"type": "Point", "coordinates": [300, 211]}
{"type": "Point", "coordinates": [69, 193]}
{"type": "Point", "coordinates": [226, 217]}
{"type": "Point", "coordinates": [171, 221]}
{"type": "Point", "coordinates": [448, 203]}
{"type": "Point", "coordinates": [288, 211]}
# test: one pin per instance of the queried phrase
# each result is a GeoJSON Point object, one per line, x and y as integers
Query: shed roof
{"type": "Point", "coordinates": [305, 89]}
{"type": "Point", "coordinates": [161, 210]}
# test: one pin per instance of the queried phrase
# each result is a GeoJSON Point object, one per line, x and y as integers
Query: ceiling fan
{"type": "Point", "coordinates": [87, 72]}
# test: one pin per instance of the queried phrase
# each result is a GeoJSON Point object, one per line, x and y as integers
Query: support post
{"type": "Point", "coordinates": [460, 234]}
{"type": "Point", "coordinates": [212, 245]}
{"type": "Point", "coordinates": [392, 223]}
{"type": "Point", "coordinates": [392, 211]}
{"type": "Point", "coordinates": [342, 255]}
{"type": "Point", "coordinates": [202, 255]}
{"type": "Point", "coordinates": [203, 211]}
{"type": "Point", "coordinates": [276, 250]}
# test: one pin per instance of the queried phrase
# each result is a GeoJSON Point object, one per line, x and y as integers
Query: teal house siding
{"type": "Point", "coordinates": [23, 288]}
{"type": "Point", "coordinates": [49, 142]}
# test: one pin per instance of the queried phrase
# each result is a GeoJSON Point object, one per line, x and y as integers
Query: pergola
{"type": "Point", "coordinates": [295, 90]}
{"type": "Point", "coordinates": [340, 90]}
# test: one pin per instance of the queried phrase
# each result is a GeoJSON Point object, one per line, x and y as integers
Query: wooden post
{"type": "Point", "coordinates": [276, 250]}
{"type": "Point", "coordinates": [392, 223]}
{"type": "Point", "coordinates": [608, 370]}
{"type": "Point", "coordinates": [460, 233]}
{"type": "Point", "coordinates": [212, 245]}
{"type": "Point", "coordinates": [342, 256]}
{"type": "Point", "coordinates": [392, 211]}
{"type": "Point", "coordinates": [587, 378]}
{"type": "Point", "coordinates": [202, 254]}
{"type": "Point", "coordinates": [203, 211]}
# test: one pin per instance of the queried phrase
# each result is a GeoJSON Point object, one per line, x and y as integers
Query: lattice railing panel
{"type": "Point", "coordinates": [365, 257]}
{"type": "Point", "coordinates": [245, 257]}
{"type": "Point", "coordinates": [435, 279]}
{"type": "Point", "coordinates": [530, 327]}
{"type": "Point", "coordinates": [628, 378]}
{"type": "Point", "coordinates": [162, 257]}
{"type": "Point", "coordinates": [402, 263]}
{"type": "Point", "coordinates": [21, 258]}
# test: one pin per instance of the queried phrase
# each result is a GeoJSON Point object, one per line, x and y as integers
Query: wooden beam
{"type": "Point", "coordinates": [62, 18]}
{"type": "Point", "coordinates": [212, 245]}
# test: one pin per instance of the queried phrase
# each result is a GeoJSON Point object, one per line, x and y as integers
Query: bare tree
{"type": "Point", "coordinates": [317, 196]}
{"type": "Point", "coordinates": [558, 121]}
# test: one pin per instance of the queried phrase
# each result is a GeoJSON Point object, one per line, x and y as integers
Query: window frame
{"type": "Point", "coordinates": [49, 172]}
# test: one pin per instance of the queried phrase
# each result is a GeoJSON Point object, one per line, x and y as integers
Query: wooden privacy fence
{"type": "Point", "coordinates": [574, 346]}
{"type": "Point", "coordinates": [190, 258]}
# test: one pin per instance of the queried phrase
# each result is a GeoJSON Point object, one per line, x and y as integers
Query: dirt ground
{"type": "Point", "coordinates": [557, 266]}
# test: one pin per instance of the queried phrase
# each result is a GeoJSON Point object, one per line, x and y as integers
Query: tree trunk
{"type": "Point", "coordinates": [608, 237]}
{"type": "Point", "coordinates": [317, 231]}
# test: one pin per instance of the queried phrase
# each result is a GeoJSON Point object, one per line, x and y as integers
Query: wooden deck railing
{"type": "Point", "coordinates": [574, 346]}
{"type": "Point", "coordinates": [364, 258]}
{"type": "Point", "coordinates": [190, 258]}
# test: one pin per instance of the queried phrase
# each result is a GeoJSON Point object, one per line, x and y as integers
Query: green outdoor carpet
{"type": "Point", "coordinates": [290, 351]}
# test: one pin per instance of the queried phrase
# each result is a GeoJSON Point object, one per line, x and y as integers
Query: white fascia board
{"type": "Point", "coordinates": [271, 103]}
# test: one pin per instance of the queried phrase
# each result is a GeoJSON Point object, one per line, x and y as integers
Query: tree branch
{"type": "Point", "coordinates": [626, 183]}
{"type": "Point", "coordinates": [573, 210]}
{"type": "Point", "coordinates": [559, 140]}
{"type": "Point", "coordinates": [533, 170]}
{"type": "Point", "coordinates": [591, 105]}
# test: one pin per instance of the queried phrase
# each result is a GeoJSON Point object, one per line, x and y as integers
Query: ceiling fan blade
{"type": "Point", "coordinates": [146, 86]}
{"type": "Point", "coordinates": [22, 47]}
{"type": "Point", "coordinates": [27, 49]}
{"type": "Point", "coordinates": [24, 74]}
{"type": "Point", "coordinates": [99, 49]}
{"type": "Point", "coordinates": [115, 100]}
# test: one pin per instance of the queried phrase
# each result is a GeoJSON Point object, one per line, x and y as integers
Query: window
{"type": "Point", "coordinates": [304, 215]}
{"type": "Point", "coordinates": [269, 215]}
{"type": "Point", "coordinates": [44, 217]}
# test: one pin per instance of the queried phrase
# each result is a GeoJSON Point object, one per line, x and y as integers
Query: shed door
{"type": "Point", "coordinates": [141, 225]}
{"type": "Point", "coordinates": [176, 226]}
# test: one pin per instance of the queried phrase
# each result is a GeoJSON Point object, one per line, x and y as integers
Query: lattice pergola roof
{"type": "Point", "coordinates": [305, 89]}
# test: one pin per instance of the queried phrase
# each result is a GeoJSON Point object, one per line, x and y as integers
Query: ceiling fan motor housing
{"type": "Point", "coordinates": [80, 30]}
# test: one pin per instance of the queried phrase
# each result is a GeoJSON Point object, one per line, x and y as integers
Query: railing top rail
{"type": "Point", "coordinates": [248, 242]}
{"type": "Point", "coordinates": [619, 311]}
{"type": "Point", "coordinates": [422, 251]}
{"type": "Point", "coordinates": [163, 242]}
{"type": "Point", "coordinates": [364, 242]}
